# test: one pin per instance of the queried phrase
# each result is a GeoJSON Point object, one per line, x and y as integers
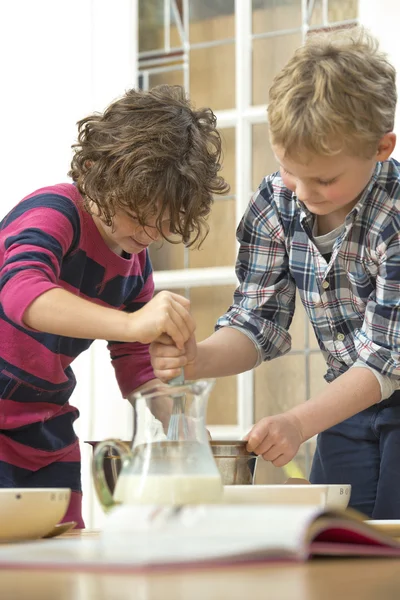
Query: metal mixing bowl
{"type": "Point", "coordinates": [236, 465]}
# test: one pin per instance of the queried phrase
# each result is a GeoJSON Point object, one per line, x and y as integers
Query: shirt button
{"type": "Point", "coordinates": [340, 337]}
{"type": "Point", "coordinates": [325, 285]}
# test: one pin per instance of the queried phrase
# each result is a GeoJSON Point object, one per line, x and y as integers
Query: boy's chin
{"type": "Point", "coordinates": [131, 247]}
{"type": "Point", "coordinates": [319, 208]}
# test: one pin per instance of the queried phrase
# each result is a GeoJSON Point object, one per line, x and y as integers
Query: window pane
{"type": "Point", "coordinates": [279, 385]}
{"type": "Point", "coordinates": [273, 15]}
{"type": "Point", "coordinates": [228, 171]}
{"type": "Point", "coordinates": [166, 256]}
{"type": "Point", "coordinates": [151, 26]}
{"type": "Point", "coordinates": [219, 247]}
{"type": "Point", "coordinates": [212, 76]}
{"type": "Point", "coordinates": [211, 20]}
{"type": "Point", "coordinates": [269, 56]}
{"type": "Point", "coordinates": [263, 159]}
{"type": "Point", "coordinates": [312, 339]}
{"type": "Point", "coordinates": [297, 327]}
{"type": "Point", "coordinates": [317, 372]}
{"type": "Point", "coordinates": [176, 29]}
{"type": "Point", "coordinates": [151, 19]}
{"type": "Point", "coordinates": [316, 15]}
{"type": "Point", "coordinates": [207, 304]}
{"type": "Point", "coordinates": [338, 10]}
{"type": "Point", "coordinates": [342, 10]}
{"type": "Point", "coordinates": [169, 78]}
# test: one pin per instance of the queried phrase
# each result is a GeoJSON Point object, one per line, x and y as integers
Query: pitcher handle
{"type": "Point", "coordinates": [100, 483]}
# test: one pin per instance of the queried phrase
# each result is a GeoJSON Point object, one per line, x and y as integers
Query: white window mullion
{"type": "Point", "coordinates": [243, 55]}
{"type": "Point", "coordinates": [251, 114]}
{"type": "Point", "coordinates": [188, 278]}
{"type": "Point", "coordinates": [307, 8]}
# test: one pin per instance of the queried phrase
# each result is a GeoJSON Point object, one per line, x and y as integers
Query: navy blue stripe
{"type": "Point", "coordinates": [35, 237]}
{"type": "Point", "coordinates": [62, 204]}
{"type": "Point", "coordinates": [87, 275]}
{"type": "Point", "coordinates": [54, 434]}
{"type": "Point", "coordinates": [57, 344]}
{"type": "Point", "coordinates": [130, 298]}
{"type": "Point", "coordinates": [37, 382]}
{"type": "Point", "coordinates": [118, 291]}
{"type": "Point", "coordinates": [148, 268]}
{"type": "Point", "coordinates": [10, 274]}
{"type": "Point", "coordinates": [57, 475]}
{"type": "Point", "coordinates": [32, 256]}
{"type": "Point", "coordinates": [14, 389]}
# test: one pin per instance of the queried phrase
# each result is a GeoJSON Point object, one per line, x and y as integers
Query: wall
{"type": "Point", "coordinates": [382, 19]}
{"type": "Point", "coordinates": [60, 61]}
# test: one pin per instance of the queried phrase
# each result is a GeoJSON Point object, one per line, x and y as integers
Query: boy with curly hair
{"type": "Point", "coordinates": [327, 225]}
{"type": "Point", "coordinates": [74, 267]}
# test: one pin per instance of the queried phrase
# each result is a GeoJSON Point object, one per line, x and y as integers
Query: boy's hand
{"type": "Point", "coordinates": [167, 360]}
{"type": "Point", "coordinates": [166, 313]}
{"type": "Point", "coordinates": [277, 439]}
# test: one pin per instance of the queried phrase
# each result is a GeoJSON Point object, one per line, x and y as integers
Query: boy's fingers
{"type": "Point", "coordinates": [164, 339]}
{"type": "Point", "coordinates": [167, 374]}
{"type": "Point", "coordinates": [180, 327]}
{"type": "Point", "coordinates": [186, 318]}
{"type": "Point", "coordinates": [162, 350]}
{"type": "Point", "coordinates": [181, 300]}
{"type": "Point", "coordinates": [272, 454]}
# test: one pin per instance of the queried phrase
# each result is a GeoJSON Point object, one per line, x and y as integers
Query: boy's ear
{"type": "Point", "coordinates": [386, 146]}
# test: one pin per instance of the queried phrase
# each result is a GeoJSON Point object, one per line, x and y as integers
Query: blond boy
{"type": "Point", "coordinates": [327, 225]}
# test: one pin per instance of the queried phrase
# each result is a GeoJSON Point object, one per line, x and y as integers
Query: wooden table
{"type": "Point", "coordinates": [321, 579]}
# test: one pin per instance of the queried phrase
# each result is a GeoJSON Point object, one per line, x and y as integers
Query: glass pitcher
{"type": "Point", "coordinates": [170, 460]}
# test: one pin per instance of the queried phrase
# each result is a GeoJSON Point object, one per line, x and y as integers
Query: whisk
{"type": "Point", "coordinates": [178, 411]}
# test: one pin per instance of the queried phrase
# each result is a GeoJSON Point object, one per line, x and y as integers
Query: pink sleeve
{"type": "Point", "coordinates": [131, 361]}
{"type": "Point", "coordinates": [32, 245]}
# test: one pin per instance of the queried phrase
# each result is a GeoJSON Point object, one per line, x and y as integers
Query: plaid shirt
{"type": "Point", "coordinates": [353, 302]}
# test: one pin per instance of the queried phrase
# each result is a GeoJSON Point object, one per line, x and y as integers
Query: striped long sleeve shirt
{"type": "Point", "coordinates": [47, 241]}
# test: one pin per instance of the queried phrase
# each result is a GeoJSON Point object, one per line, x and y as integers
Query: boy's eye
{"type": "Point", "coordinates": [130, 215]}
{"type": "Point", "coordinates": [321, 182]}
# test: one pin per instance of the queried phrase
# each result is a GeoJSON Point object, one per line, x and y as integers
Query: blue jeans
{"type": "Point", "coordinates": [364, 451]}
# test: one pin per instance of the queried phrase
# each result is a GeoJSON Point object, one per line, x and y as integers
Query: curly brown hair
{"type": "Point", "coordinates": [151, 153]}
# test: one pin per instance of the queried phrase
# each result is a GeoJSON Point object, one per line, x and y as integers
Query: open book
{"type": "Point", "coordinates": [142, 537]}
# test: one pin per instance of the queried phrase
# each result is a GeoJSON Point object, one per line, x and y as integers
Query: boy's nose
{"type": "Point", "coordinates": [152, 234]}
{"type": "Point", "coordinates": [303, 192]}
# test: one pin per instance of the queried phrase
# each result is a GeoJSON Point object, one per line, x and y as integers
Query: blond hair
{"type": "Point", "coordinates": [337, 93]}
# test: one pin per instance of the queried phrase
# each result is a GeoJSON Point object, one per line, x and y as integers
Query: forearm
{"type": "Point", "coordinates": [160, 407]}
{"type": "Point", "coordinates": [62, 313]}
{"type": "Point", "coordinates": [349, 394]}
{"type": "Point", "coordinates": [225, 352]}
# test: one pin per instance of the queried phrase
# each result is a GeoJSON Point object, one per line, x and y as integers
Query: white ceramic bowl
{"type": "Point", "coordinates": [31, 513]}
{"type": "Point", "coordinates": [327, 496]}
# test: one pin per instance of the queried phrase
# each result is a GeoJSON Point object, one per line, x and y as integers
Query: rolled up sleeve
{"type": "Point", "coordinates": [264, 301]}
{"type": "Point", "coordinates": [131, 360]}
{"type": "Point", "coordinates": [377, 342]}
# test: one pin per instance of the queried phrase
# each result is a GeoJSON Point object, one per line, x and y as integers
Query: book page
{"type": "Point", "coordinates": [138, 536]}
